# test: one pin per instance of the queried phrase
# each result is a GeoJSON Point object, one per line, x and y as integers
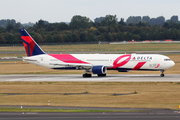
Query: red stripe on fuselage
{"type": "Point", "coordinates": [31, 43]}
{"type": "Point", "coordinates": [67, 58]}
{"type": "Point", "coordinates": [139, 65]}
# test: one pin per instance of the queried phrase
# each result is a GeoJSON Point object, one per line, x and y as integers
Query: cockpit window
{"type": "Point", "coordinates": [167, 59]}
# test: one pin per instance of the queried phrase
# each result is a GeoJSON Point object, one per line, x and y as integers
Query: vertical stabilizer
{"type": "Point", "coordinates": [31, 47]}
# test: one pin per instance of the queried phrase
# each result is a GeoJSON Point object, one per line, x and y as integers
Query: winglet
{"type": "Point", "coordinates": [31, 47]}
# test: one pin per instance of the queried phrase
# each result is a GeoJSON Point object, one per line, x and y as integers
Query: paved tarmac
{"type": "Point", "coordinates": [90, 116]}
{"type": "Point", "coordinates": [145, 114]}
{"type": "Point", "coordinates": [94, 78]}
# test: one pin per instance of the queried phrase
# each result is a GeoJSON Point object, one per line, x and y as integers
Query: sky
{"type": "Point", "coordinates": [26, 11]}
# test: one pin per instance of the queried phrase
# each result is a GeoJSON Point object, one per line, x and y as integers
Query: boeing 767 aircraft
{"type": "Point", "coordinates": [93, 63]}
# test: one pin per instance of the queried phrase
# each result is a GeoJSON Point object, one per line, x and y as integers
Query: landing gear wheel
{"type": "Point", "coordinates": [101, 75]}
{"type": "Point", "coordinates": [87, 75]}
{"type": "Point", "coordinates": [162, 75]}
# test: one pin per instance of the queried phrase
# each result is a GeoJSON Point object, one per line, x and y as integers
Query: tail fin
{"type": "Point", "coordinates": [31, 47]}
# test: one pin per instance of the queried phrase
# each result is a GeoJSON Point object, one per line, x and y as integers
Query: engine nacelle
{"type": "Point", "coordinates": [99, 70]}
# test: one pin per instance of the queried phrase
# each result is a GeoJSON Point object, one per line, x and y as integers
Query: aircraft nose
{"type": "Point", "coordinates": [172, 63]}
{"type": "Point", "coordinates": [169, 64]}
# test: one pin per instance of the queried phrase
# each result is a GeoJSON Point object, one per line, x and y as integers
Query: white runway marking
{"type": "Point", "coordinates": [79, 78]}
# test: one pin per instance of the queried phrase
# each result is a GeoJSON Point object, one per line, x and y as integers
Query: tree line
{"type": "Point", "coordinates": [108, 28]}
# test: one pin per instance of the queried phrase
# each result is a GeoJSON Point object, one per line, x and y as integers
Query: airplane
{"type": "Point", "coordinates": [93, 63]}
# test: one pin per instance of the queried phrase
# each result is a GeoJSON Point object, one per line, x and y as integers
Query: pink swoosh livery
{"type": "Point", "coordinates": [93, 63]}
{"type": "Point", "coordinates": [67, 58]}
{"type": "Point", "coordinates": [124, 62]}
{"type": "Point", "coordinates": [157, 65]}
{"type": "Point", "coordinates": [139, 65]}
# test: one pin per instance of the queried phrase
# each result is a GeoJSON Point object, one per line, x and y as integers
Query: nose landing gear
{"type": "Point", "coordinates": [162, 73]}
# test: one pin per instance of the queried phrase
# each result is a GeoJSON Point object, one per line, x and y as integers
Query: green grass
{"type": "Point", "coordinates": [58, 110]}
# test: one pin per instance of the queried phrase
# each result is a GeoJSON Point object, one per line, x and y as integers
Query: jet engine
{"type": "Point", "coordinates": [99, 70]}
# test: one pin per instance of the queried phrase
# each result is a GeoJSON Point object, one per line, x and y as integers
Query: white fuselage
{"type": "Point", "coordinates": [120, 62]}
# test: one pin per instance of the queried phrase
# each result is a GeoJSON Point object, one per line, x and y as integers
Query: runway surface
{"type": "Point", "coordinates": [91, 116]}
{"type": "Point", "coordinates": [145, 114]}
{"type": "Point", "coordinates": [94, 78]}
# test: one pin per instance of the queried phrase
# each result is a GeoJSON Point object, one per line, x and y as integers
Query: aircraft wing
{"type": "Point", "coordinates": [76, 65]}
{"type": "Point", "coordinates": [71, 64]}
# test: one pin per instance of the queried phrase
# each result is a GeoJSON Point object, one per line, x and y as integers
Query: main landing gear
{"type": "Point", "coordinates": [87, 75]}
{"type": "Point", "coordinates": [162, 74]}
{"type": "Point", "coordinates": [101, 75]}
